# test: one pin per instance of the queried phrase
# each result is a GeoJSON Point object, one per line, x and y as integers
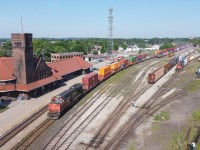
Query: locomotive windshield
{"type": "Point", "coordinates": [58, 101]}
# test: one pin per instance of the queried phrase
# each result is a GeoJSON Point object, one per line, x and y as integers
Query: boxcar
{"type": "Point", "coordinates": [168, 67]}
{"type": "Point", "coordinates": [155, 75]}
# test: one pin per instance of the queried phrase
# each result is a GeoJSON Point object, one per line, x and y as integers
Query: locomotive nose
{"type": "Point", "coordinates": [54, 108]}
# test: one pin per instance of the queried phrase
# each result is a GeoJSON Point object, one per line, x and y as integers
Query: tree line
{"type": "Point", "coordinates": [45, 47]}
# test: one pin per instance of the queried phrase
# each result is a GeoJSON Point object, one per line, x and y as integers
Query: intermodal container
{"type": "Point", "coordinates": [124, 62]}
{"type": "Point", "coordinates": [90, 80]}
{"type": "Point", "coordinates": [155, 75]}
{"type": "Point", "coordinates": [132, 58]}
{"type": "Point", "coordinates": [139, 57]}
{"type": "Point", "coordinates": [192, 57]}
{"type": "Point", "coordinates": [105, 70]}
{"type": "Point", "coordinates": [115, 65]}
{"type": "Point", "coordinates": [131, 63]}
{"type": "Point", "coordinates": [144, 55]}
{"type": "Point", "coordinates": [184, 62]}
{"type": "Point", "coordinates": [102, 77]}
{"type": "Point", "coordinates": [156, 52]}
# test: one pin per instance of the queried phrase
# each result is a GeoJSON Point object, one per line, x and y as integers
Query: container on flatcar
{"type": "Point", "coordinates": [105, 70]}
{"type": "Point", "coordinates": [156, 52]}
{"type": "Point", "coordinates": [180, 58]}
{"type": "Point", "coordinates": [89, 81]}
{"type": "Point", "coordinates": [139, 57]}
{"type": "Point", "coordinates": [144, 55]}
{"type": "Point", "coordinates": [124, 63]}
{"type": "Point", "coordinates": [155, 75]}
{"type": "Point", "coordinates": [132, 58]}
{"type": "Point", "coordinates": [115, 67]}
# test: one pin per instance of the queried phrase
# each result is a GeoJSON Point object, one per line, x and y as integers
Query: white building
{"type": "Point", "coordinates": [134, 48]}
{"type": "Point", "coordinates": [153, 48]}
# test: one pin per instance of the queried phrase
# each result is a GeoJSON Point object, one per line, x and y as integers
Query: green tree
{"type": "Point", "coordinates": [166, 45]}
{"type": "Point", "coordinates": [95, 52]}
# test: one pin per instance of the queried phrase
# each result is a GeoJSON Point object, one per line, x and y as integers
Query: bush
{"type": "Point", "coordinates": [196, 115]}
{"type": "Point", "coordinates": [162, 116]}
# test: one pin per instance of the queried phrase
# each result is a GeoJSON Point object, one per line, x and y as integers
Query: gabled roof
{"type": "Point", "coordinates": [36, 84]}
{"type": "Point", "coordinates": [66, 66]}
{"type": "Point", "coordinates": [59, 69]}
{"type": "Point", "coordinates": [83, 63]}
{"type": "Point", "coordinates": [6, 69]}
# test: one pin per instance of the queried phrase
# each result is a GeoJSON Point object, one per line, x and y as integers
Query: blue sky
{"type": "Point", "coordinates": [89, 18]}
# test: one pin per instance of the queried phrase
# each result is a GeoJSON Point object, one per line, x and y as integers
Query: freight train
{"type": "Point", "coordinates": [60, 103]}
{"type": "Point", "coordinates": [184, 61]}
{"type": "Point", "coordinates": [180, 61]}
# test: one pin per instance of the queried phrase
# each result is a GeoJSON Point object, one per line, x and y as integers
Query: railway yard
{"type": "Point", "coordinates": [119, 113]}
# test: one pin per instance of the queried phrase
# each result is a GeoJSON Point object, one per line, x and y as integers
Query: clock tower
{"type": "Point", "coordinates": [23, 57]}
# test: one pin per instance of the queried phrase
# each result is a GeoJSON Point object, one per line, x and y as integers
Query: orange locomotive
{"type": "Point", "coordinates": [59, 103]}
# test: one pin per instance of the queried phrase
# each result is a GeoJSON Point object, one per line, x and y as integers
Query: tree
{"type": "Point", "coordinates": [166, 45]}
{"type": "Point", "coordinates": [95, 52]}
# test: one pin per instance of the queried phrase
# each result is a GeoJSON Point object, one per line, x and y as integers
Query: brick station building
{"type": "Point", "coordinates": [24, 75]}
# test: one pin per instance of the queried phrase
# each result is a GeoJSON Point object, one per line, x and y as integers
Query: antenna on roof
{"type": "Point", "coordinates": [22, 25]}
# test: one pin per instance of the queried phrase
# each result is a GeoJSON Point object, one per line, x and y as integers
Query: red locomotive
{"type": "Point", "coordinates": [59, 103]}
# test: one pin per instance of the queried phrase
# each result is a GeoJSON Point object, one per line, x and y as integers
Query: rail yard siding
{"type": "Point", "coordinates": [155, 87]}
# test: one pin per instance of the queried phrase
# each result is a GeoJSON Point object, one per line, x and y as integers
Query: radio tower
{"type": "Point", "coordinates": [110, 34]}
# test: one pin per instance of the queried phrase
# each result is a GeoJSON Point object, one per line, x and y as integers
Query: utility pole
{"type": "Point", "coordinates": [110, 34]}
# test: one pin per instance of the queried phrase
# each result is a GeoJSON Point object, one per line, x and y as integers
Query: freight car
{"type": "Point", "coordinates": [155, 75]}
{"type": "Point", "coordinates": [185, 60]}
{"type": "Point", "coordinates": [62, 101]}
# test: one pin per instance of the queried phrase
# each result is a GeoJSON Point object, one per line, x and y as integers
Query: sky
{"type": "Point", "coordinates": [89, 18]}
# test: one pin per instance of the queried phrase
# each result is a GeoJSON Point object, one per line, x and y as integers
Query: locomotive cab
{"type": "Point", "coordinates": [179, 66]}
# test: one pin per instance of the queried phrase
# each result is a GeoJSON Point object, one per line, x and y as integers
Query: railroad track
{"type": "Point", "coordinates": [144, 114]}
{"type": "Point", "coordinates": [37, 132]}
{"type": "Point", "coordinates": [136, 120]}
{"type": "Point", "coordinates": [27, 141]}
{"type": "Point", "coordinates": [11, 133]}
{"type": "Point", "coordinates": [117, 113]}
{"type": "Point", "coordinates": [56, 141]}
{"type": "Point", "coordinates": [20, 127]}
{"type": "Point", "coordinates": [100, 136]}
